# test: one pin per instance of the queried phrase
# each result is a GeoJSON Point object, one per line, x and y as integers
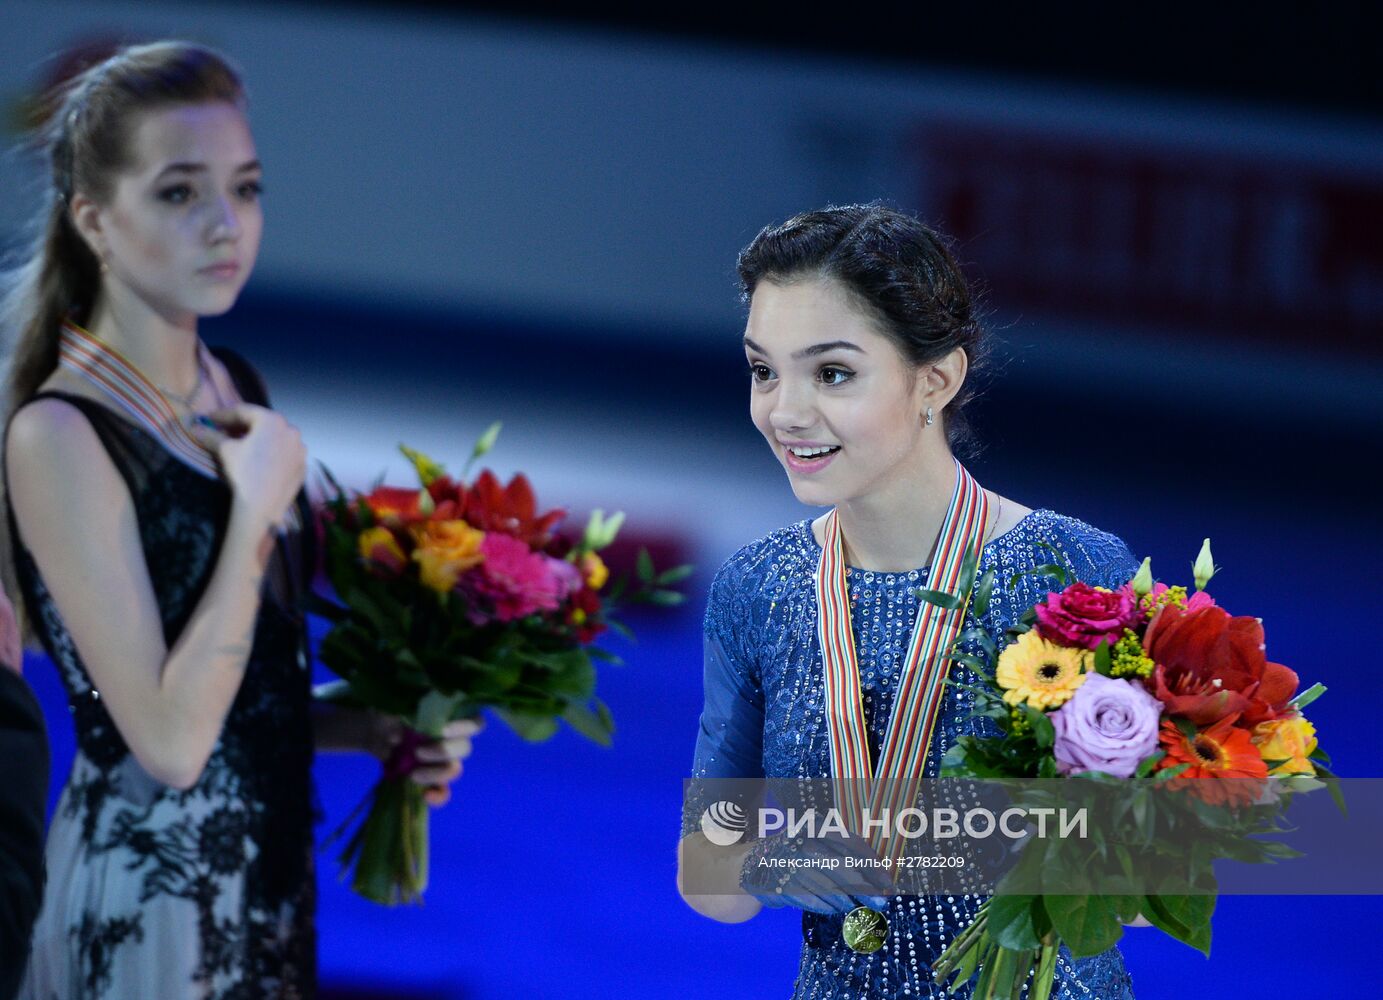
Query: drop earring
{"type": "Point", "coordinates": [929, 417]}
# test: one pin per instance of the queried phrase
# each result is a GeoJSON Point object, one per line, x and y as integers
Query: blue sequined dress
{"type": "Point", "coordinates": [764, 717]}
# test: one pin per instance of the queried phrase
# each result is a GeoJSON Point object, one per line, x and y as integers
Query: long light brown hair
{"type": "Point", "coordinates": [85, 140]}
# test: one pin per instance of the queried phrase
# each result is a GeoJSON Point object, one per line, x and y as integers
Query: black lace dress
{"type": "Point", "coordinates": [209, 892]}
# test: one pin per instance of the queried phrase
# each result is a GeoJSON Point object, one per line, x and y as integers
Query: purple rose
{"type": "Point", "coordinates": [1109, 725]}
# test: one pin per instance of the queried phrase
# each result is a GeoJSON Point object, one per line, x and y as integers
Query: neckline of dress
{"type": "Point", "coordinates": [876, 574]}
{"type": "Point", "coordinates": [124, 418]}
{"type": "Point", "coordinates": [128, 393]}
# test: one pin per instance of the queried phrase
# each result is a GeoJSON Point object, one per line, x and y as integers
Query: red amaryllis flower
{"type": "Point", "coordinates": [510, 509]}
{"type": "Point", "coordinates": [1211, 665]}
{"type": "Point", "coordinates": [1223, 752]}
{"type": "Point", "coordinates": [448, 497]}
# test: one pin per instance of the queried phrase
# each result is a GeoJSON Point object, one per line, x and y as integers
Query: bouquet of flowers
{"type": "Point", "coordinates": [1168, 707]}
{"type": "Point", "coordinates": [452, 598]}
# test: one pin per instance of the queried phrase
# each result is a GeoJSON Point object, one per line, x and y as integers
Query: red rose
{"type": "Point", "coordinates": [1211, 664]}
{"type": "Point", "coordinates": [1084, 616]}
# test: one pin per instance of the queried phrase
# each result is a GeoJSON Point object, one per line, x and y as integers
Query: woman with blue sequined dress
{"type": "Point", "coordinates": [860, 337]}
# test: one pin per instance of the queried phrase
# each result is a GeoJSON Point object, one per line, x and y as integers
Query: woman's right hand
{"type": "Point", "coordinates": [261, 454]}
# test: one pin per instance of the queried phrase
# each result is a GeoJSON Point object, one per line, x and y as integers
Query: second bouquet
{"type": "Point", "coordinates": [453, 598]}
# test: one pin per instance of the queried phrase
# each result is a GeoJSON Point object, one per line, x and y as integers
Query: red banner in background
{"type": "Point", "coordinates": [1206, 241]}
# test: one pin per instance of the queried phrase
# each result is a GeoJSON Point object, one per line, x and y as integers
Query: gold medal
{"type": "Point", "coordinates": [864, 930]}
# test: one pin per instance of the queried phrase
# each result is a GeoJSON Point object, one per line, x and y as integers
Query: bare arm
{"type": "Point", "coordinates": [77, 519]}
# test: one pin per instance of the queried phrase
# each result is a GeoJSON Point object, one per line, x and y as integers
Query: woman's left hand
{"type": "Point", "coordinates": [438, 761]}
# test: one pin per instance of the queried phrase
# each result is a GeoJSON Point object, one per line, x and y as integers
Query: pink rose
{"type": "Point", "coordinates": [1109, 725]}
{"type": "Point", "coordinates": [1083, 616]}
{"type": "Point", "coordinates": [515, 579]}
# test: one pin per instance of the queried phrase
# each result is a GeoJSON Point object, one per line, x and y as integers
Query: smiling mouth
{"type": "Point", "coordinates": [811, 454]}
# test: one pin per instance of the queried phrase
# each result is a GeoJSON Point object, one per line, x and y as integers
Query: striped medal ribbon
{"type": "Point", "coordinates": [922, 682]}
{"type": "Point", "coordinates": [132, 393]}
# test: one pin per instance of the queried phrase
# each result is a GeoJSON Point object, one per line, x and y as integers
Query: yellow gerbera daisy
{"type": "Point", "coordinates": [1039, 672]}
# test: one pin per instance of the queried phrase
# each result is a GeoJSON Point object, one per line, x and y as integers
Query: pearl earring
{"type": "Point", "coordinates": [929, 416]}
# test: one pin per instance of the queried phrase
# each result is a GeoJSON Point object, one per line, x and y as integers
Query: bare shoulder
{"type": "Point", "coordinates": [46, 422]}
{"type": "Point", "coordinates": [51, 438]}
{"type": "Point", "coordinates": [1010, 512]}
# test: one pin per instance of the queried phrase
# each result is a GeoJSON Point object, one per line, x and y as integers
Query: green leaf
{"type": "Point", "coordinates": [965, 969]}
{"type": "Point", "coordinates": [1169, 773]}
{"type": "Point", "coordinates": [665, 598]}
{"type": "Point", "coordinates": [675, 575]}
{"type": "Point", "coordinates": [1060, 573]}
{"type": "Point", "coordinates": [644, 566]}
{"type": "Point", "coordinates": [577, 677]}
{"type": "Point", "coordinates": [529, 726]}
{"type": "Point", "coordinates": [1143, 818]}
{"type": "Point", "coordinates": [1307, 696]}
{"type": "Point", "coordinates": [982, 593]}
{"type": "Point", "coordinates": [1042, 729]}
{"type": "Point", "coordinates": [938, 597]}
{"type": "Point", "coordinates": [1103, 661]}
{"type": "Point", "coordinates": [973, 662]}
{"type": "Point", "coordinates": [1011, 921]}
{"type": "Point", "coordinates": [1186, 918]}
{"type": "Point", "coordinates": [362, 604]}
{"type": "Point", "coordinates": [596, 725]}
{"type": "Point", "coordinates": [434, 712]}
{"type": "Point", "coordinates": [1145, 766]}
{"type": "Point", "coordinates": [1088, 924]}
{"type": "Point", "coordinates": [1332, 785]}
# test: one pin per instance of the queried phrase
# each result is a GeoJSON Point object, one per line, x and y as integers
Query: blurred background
{"type": "Point", "coordinates": [522, 213]}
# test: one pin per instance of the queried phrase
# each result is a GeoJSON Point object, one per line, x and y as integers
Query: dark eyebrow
{"type": "Point", "coordinates": [814, 350]}
{"type": "Point", "coordinates": [200, 168]}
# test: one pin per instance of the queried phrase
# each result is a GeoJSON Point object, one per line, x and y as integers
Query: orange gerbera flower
{"type": "Point", "coordinates": [1222, 752]}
